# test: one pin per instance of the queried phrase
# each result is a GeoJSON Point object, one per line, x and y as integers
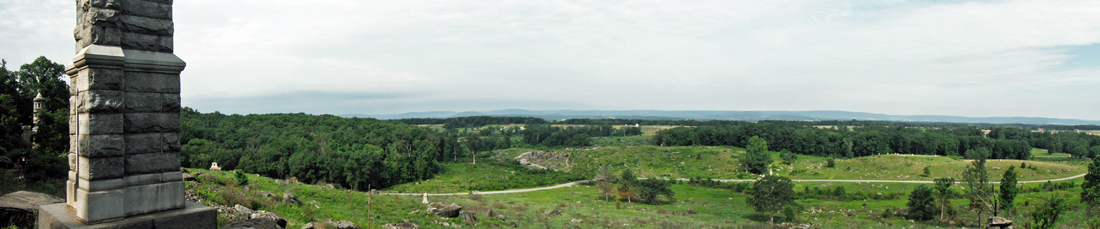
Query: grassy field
{"type": "Point", "coordinates": [486, 175]}
{"type": "Point", "coordinates": [721, 163]}
{"type": "Point", "coordinates": [583, 207]}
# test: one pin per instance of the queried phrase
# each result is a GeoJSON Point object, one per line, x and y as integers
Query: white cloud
{"type": "Point", "coordinates": [975, 58]}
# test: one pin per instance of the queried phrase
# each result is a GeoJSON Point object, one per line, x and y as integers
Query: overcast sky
{"type": "Point", "coordinates": [971, 58]}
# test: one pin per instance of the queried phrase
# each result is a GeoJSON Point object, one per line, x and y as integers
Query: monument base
{"type": "Point", "coordinates": [193, 215]}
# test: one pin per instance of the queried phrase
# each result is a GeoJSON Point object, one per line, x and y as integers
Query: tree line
{"type": "Point", "coordinates": [18, 88]}
{"type": "Point", "coordinates": [354, 152]}
{"type": "Point", "coordinates": [472, 121]}
{"type": "Point", "coordinates": [857, 142]}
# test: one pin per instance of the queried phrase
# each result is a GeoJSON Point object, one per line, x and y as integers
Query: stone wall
{"type": "Point", "coordinates": [124, 124]}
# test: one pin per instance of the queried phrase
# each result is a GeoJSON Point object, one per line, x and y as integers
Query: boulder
{"type": "Point", "coordinates": [188, 177]}
{"type": "Point", "coordinates": [469, 217]}
{"type": "Point", "coordinates": [261, 214]}
{"type": "Point", "coordinates": [437, 205]}
{"type": "Point", "coordinates": [489, 212]}
{"type": "Point", "coordinates": [310, 225]}
{"type": "Point", "coordinates": [344, 224]}
{"type": "Point", "coordinates": [288, 197]}
{"type": "Point", "coordinates": [414, 212]}
{"type": "Point", "coordinates": [500, 217]}
{"type": "Point", "coordinates": [450, 211]}
{"type": "Point", "coordinates": [999, 222]}
{"type": "Point", "coordinates": [242, 209]}
{"type": "Point", "coordinates": [689, 212]}
{"type": "Point", "coordinates": [6, 163]}
{"type": "Point", "coordinates": [513, 224]}
{"type": "Point", "coordinates": [259, 223]}
{"type": "Point", "coordinates": [266, 194]}
{"type": "Point", "coordinates": [555, 212]}
{"type": "Point", "coordinates": [401, 226]}
{"type": "Point", "coordinates": [19, 208]}
{"type": "Point", "coordinates": [494, 225]}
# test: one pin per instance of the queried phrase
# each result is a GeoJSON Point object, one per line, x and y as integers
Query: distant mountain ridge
{"type": "Point", "coordinates": [730, 115]}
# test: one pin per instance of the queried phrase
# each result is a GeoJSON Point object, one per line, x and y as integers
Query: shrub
{"type": "Point", "coordinates": [242, 179]}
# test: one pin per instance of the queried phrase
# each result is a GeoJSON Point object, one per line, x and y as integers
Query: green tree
{"type": "Point", "coordinates": [771, 194]}
{"type": "Point", "coordinates": [978, 189]}
{"type": "Point", "coordinates": [626, 184]}
{"type": "Point", "coordinates": [650, 191]}
{"type": "Point", "coordinates": [242, 179]}
{"type": "Point", "coordinates": [927, 172]}
{"type": "Point", "coordinates": [756, 158]}
{"type": "Point", "coordinates": [830, 163]}
{"type": "Point", "coordinates": [1090, 189]}
{"type": "Point", "coordinates": [788, 157]}
{"type": "Point", "coordinates": [604, 177]}
{"type": "Point", "coordinates": [944, 193]}
{"type": "Point", "coordinates": [1008, 188]}
{"type": "Point", "coordinates": [921, 204]}
{"type": "Point", "coordinates": [1046, 215]}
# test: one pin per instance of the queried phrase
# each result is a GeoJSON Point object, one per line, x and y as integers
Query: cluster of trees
{"type": "Point", "coordinates": [353, 152]}
{"type": "Point", "coordinates": [648, 191]}
{"type": "Point", "coordinates": [472, 121]}
{"type": "Point", "coordinates": [551, 136]}
{"type": "Point", "coordinates": [840, 142]}
{"type": "Point", "coordinates": [18, 89]}
{"type": "Point", "coordinates": [1078, 145]}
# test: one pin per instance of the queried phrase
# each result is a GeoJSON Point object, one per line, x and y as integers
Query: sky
{"type": "Point", "coordinates": [965, 58]}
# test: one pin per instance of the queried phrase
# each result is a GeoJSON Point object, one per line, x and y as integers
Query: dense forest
{"type": "Point", "coordinates": [352, 152]}
{"type": "Point", "coordinates": [472, 121]}
{"type": "Point", "coordinates": [18, 89]}
{"type": "Point", "coordinates": [1003, 142]}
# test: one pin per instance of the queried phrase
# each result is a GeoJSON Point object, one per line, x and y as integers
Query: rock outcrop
{"type": "Point", "coordinates": [258, 223]}
{"type": "Point", "coordinates": [261, 214]}
{"type": "Point", "coordinates": [450, 211]}
{"type": "Point", "coordinates": [401, 226]}
{"type": "Point", "coordinates": [288, 197]}
{"type": "Point", "coordinates": [19, 207]}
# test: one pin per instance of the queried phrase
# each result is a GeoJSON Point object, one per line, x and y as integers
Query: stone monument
{"type": "Point", "coordinates": [124, 123]}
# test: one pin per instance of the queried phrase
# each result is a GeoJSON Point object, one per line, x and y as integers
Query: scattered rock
{"type": "Point", "coordinates": [261, 214]}
{"type": "Point", "coordinates": [437, 205]}
{"type": "Point", "coordinates": [242, 209]}
{"type": "Point", "coordinates": [288, 197]}
{"type": "Point", "coordinates": [999, 222]}
{"type": "Point", "coordinates": [489, 212]}
{"type": "Point", "coordinates": [259, 223]}
{"type": "Point", "coordinates": [469, 217]}
{"type": "Point", "coordinates": [555, 213]}
{"type": "Point", "coordinates": [344, 224]}
{"type": "Point", "coordinates": [500, 217]}
{"type": "Point", "coordinates": [450, 211]}
{"type": "Point", "coordinates": [208, 177]}
{"type": "Point", "coordinates": [266, 194]}
{"type": "Point", "coordinates": [401, 226]}
{"type": "Point", "coordinates": [689, 212]}
{"type": "Point", "coordinates": [513, 224]}
{"type": "Point", "coordinates": [414, 212]}
{"type": "Point", "coordinates": [188, 177]}
{"type": "Point", "coordinates": [20, 208]}
{"type": "Point", "coordinates": [374, 192]}
{"type": "Point", "coordinates": [494, 225]}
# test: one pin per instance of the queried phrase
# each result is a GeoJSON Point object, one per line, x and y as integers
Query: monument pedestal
{"type": "Point", "coordinates": [193, 215]}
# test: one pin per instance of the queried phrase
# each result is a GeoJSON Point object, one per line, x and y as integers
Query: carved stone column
{"type": "Point", "coordinates": [124, 156]}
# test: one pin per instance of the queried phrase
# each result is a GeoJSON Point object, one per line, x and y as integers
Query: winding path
{"type": "Point", "coordinates": [719, 180]}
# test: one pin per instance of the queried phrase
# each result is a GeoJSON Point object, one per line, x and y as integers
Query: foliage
{"type": "Point", "coordinates": [242, 179]}
{"type": "Point", "coordinates": [351, 152]}
{"type": "Point", "coordinates": [771, 194]}
{"type": "Point", "coordinates": [804, 138]}
{"type": "Point", "coordinates": [921, 204]}
{"type": "Point", "coordinates": [627, 182]}
{"type": "Point", "coordinates": [976, 176]}
{"type": "Point", "coordinates": [944, 194]}
{"type": "Point", "coordinates": [790, 212]}
{"type": "Point", "coordinates": [605, 176]}
{"type": "Point", "coordinates": [650, 191]}
{"type": "Point", "coordinates": [1008, 189]}
{"type": "Point", "coordinates": [17, 92]}
{"type": "Point", "coordinates": [1046, 215]}
{"type": "Point", "coordinates": [1090, 190]}
{"type": "Point", "coordinates": [550, 136]}
{"type": "Point", "coordinates": [830, 163]}
{"type": "Point", "coordinates": [756, 158]}
{"type": "Point", "coordinates": [788, 157]}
